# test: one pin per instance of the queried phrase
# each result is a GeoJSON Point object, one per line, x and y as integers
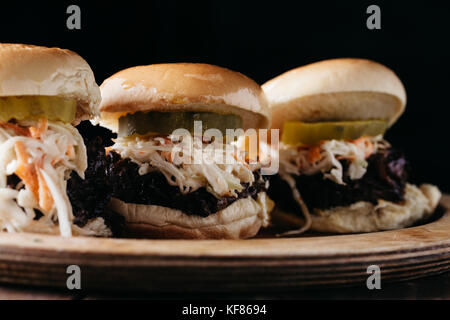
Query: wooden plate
{"type": "Point", "coordinates": [228, 265]}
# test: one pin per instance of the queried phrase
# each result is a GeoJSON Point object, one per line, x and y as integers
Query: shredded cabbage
{"type": "Point", "coordinates": [52, 155]}
{"type": "Point", "coordinates": [298, 198]}
{"type": "Point", "coordinates": [296, 160]}
{"type": "Point", "coordinates": [190, 163]}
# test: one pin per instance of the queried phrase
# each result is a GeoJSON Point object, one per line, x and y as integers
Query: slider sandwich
{"type": "Point", "coordinates": [158, 186]}
{"type": "Point", "coordinates": [43, 92]}
{"type": "Point", "coordinates": [337, 173]}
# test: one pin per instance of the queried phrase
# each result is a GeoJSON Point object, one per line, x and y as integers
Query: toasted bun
{"type": "Point", "coordinates": [336, 90]}
{"type": "Point", "coordinates": [362, 216]}
{"type": "Point", "coordinates": [242, 219]}
{"type": "Point", "coordinates": [31, 70]}
{"type": "Point", "coordinates": [183, 87]}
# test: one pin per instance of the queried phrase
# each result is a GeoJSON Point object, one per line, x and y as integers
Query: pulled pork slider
{"type": "Point", "coordinates": [43, 92]}
{"type": "Point", "coordinates": [162, 196]}
{"type": "Point", "coordinates": [337, 173]}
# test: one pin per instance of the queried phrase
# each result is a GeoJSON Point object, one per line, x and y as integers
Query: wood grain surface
{"type": "Point", "coordinates": [269, 264]}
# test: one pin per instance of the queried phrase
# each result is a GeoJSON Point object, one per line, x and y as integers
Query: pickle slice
{"type": "Point", "coordinates": [296, 132]}
{"type": "Point", "coordinates": [35, 107]}
{"type": "Point", "coordinates": [166, 122]}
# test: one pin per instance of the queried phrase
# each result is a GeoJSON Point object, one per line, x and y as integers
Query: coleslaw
{"type": "Point", "coordinates": [42, 154]}
{"type": "Point", "coordinates": [325, 158]}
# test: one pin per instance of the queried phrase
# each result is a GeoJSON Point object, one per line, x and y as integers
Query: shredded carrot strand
{"type": "Point", "coordinates": [70, 152]}
{"type": "Point", "coordinates": [314, 154]}
{"type": "Point", "coordinates": [26, 171]}
{"type": "Point", "coordinates": [32, 178]}
{"type": "Point", "coordinates": [364, 142]}
{"type": "Point", "coordinates": [45, 197]}
{"type": "Point", "coordinates": [36, 132]}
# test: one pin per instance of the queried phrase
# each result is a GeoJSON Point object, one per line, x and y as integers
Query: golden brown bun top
{"type": "Point", "coordinates": [336, 90]}
{"type": "Point", "coordinates": [32, 70]}
{"type": "Point", "coordinates": [184, 87]}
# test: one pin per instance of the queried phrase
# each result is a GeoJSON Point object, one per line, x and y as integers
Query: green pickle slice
{"type": "Point", "coordinates": [142, 123]}
{"type": "Point", "coordinates": [35, 107]}
{"type": "Point", "coordinates": [298, 133]}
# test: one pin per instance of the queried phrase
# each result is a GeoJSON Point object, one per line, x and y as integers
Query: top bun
{"type": "Point", "coordinates": [183, 87]}
{"type": "Point", "coordinates": [336, 90]}
{"type": "Point", "coordinates": [27, 70]}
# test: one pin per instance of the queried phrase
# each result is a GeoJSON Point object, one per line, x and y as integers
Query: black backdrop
{"type": "Point", "coordinates": [262, 40]}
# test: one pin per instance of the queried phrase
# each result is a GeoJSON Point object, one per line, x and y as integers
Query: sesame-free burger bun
{"type": "Point", "coordinates": [336, 90]}
{"type": "Point", "coordinates": [242, 219]}
{"type": "Point", "coordinates": [183, 87]}
{"type": "Point", "coordinates": [27, 70]}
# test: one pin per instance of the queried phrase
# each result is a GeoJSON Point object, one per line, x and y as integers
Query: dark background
{"type": "Point", "coordinates": [262, 40]}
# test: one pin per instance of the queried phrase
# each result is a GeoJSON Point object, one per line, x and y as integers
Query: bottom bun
{"type": "Point", "coordinates": [242, 219]}
{"type": "Point", "coordinates": [420, 203]}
